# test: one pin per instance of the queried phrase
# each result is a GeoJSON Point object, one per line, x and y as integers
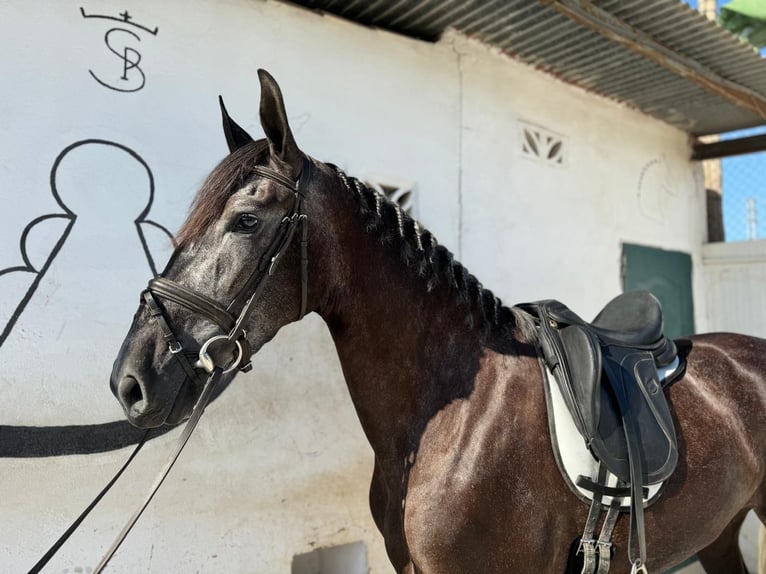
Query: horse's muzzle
{"type": "Point", "coordinates": [138, 409]}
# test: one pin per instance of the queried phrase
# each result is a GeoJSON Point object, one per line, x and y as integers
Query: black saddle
{"type": "Point", "coordinates": [607, 373]}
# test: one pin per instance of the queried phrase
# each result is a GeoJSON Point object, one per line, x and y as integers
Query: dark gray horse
{"type": "Point", "coordinates": [452, 403]}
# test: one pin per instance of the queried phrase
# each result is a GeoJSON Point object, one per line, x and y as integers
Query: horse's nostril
{"type": "Point", "coordinates": [129, 391]}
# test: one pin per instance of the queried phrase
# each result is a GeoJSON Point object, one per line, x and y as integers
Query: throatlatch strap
{"type": "Point", "coordinates": [303, 222]}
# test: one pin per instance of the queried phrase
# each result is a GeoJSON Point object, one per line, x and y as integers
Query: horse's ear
{"type": "Point", "coordinates": [236, 137]}
{"type": "Point", "coordinates": [274, 121]}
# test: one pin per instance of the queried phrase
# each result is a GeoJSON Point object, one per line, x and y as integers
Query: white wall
{"type": "Point", "coordinates": [557, 230]}
{"type": "Point", "coordinates": [279, 465]}
{"type": "Point", "coordinates": [735, 274]}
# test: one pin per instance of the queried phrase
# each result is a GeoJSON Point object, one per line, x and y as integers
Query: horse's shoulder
{"type": "Point", "coordinates": [472, 444]}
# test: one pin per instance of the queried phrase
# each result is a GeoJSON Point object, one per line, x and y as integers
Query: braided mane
{"type": "Point", "coordinates": [420, 251]}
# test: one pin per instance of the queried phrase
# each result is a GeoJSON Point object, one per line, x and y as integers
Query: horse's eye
{"type": "Point", "coordinates": [246, 223]}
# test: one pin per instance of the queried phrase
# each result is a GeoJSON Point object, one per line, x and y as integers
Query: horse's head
{"type": "Point", "coordinates": [222, 296]}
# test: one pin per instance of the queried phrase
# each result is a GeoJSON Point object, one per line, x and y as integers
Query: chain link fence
{"type": "Point", "coordinates": [743, 188]}
{"type": "Point", "coordinates": [744, 197]}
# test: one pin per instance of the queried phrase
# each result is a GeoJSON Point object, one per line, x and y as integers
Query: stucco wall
{"type": "Point", "coordinates": [734, 278]}
{"type": "Point", "coordinates": [279, 465]}
{"type": "Point", "coordinates": [535, 229]}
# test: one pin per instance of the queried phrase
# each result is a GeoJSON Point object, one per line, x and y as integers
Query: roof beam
{"type": "Point", "coordinates": [599, 20]}
{"type": "Point", "coordinates": [726, 148]}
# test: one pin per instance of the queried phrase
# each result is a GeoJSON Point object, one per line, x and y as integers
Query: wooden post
{"type": "Point", "coordinates": [761, 549]}
{"type": "Point", "coordinates": [711, 168]}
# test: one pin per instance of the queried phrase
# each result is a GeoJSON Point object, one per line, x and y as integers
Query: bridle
{"type": "Point", "coordinates": [244, 301]}
{"type": "Point", "coordinates": [225, 318]}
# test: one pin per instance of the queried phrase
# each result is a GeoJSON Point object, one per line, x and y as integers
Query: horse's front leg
{"type": "Point", "coordinates": [385, 506]}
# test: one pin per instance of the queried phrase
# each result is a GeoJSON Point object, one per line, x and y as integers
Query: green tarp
{"type": "Point", "coordinates": [746, 18]}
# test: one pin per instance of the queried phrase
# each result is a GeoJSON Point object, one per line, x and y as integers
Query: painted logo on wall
{"type": "Point", "coordinates": [123, 41]}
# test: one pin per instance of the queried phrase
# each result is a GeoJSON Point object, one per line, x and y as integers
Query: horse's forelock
{"type": "Point", "coordinates": [225, 179]}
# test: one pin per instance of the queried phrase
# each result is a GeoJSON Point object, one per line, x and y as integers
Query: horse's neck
{"type": "Point", "coordinates": [405, 352]}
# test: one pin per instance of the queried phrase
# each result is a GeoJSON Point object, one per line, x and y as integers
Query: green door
{"type": "Point", "coordinates": [668, 275]}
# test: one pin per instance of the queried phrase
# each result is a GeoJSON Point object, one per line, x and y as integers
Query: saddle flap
{"type": "Point", "coordinates": [633, 392]}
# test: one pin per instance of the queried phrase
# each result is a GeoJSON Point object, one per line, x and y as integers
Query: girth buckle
{"type": "Point", "coordinates": [603, 547]}
{"type": "Point", "coordinates": [175, 347]}
{"type": "Point", "coordinates": [586, 542]}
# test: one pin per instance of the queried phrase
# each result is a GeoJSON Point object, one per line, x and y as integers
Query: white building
{"type": "Point", "coordinates": [109, 123]}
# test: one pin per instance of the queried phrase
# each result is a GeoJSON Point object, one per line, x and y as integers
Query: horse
{"type": "Point", "coordinates": [452, 404]}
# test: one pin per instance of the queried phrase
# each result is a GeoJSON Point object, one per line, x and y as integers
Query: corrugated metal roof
{"type": "Point", "coordinates": [719, 85]}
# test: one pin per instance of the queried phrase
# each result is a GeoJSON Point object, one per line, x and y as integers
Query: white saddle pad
{"type": "Point", "coordinates": [572, 455]}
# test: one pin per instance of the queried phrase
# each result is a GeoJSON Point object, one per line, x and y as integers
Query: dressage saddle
{"type": "Point", "coordinates": [607, 371]}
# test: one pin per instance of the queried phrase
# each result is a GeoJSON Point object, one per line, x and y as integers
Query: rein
{"type": "Point", "coordinates": [236, 338]}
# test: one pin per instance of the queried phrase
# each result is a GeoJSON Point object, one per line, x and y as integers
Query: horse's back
{"type": "Point", "coordinates": [725, 378]}
{"type": "Point", "coordinates": [720, 401]}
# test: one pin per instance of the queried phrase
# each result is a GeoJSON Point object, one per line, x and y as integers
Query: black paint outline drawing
{"type": "Point", "coordinates": [128, 64]}
{"type": "Point", "coordinates": [28, 267]}
{"type": "Point", "coordinates": [131, 58]}
{"type": "Point", "coordinates": [125, 18]}
{"type": "Point", "coordinates": [34, 441]}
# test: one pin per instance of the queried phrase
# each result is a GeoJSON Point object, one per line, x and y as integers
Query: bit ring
{"type": "Point", "coordinates": [206, 361]}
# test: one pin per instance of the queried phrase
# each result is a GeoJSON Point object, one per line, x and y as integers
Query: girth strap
{"type": "Point", "coordinates": [588, 540]}
{"type": "Point", "coordinates": [597, 554]}
{"type": "Point", "coordinates": [605, 539]}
